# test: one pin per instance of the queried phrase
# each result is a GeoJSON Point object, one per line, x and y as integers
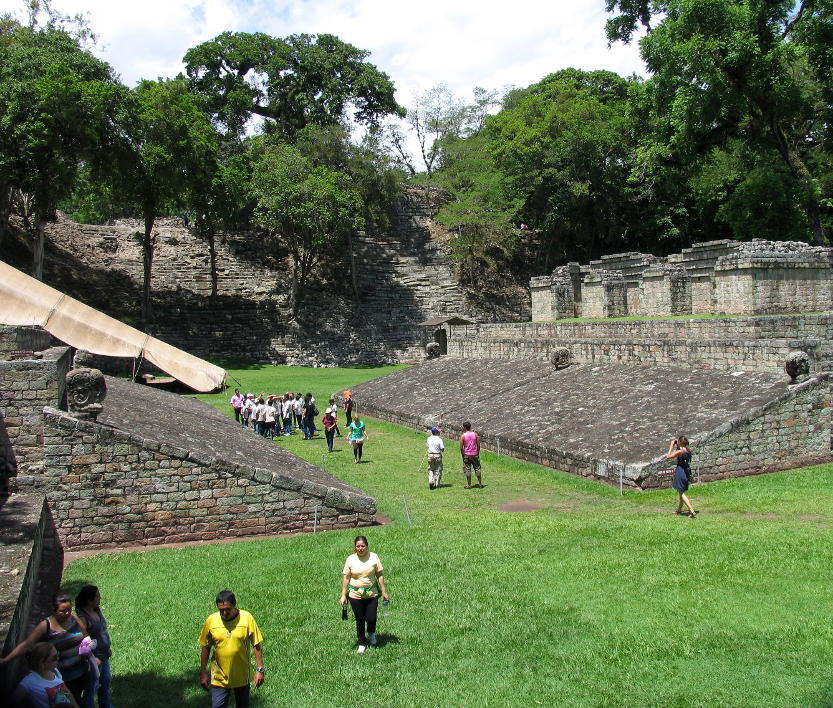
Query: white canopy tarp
{"type": "Point", "coordinates": [27, 302]}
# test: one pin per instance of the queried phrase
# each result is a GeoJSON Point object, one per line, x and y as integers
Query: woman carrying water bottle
{"type": "Point", "coordinates": [361, 585]}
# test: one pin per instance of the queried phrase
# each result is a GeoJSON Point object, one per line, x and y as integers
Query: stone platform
{"type": "Point", "coordinates": [608, 421]}
{"type": "Point", "coordinates": [160, 468]}
{"type": "Point", "coordinates": [25, 526]}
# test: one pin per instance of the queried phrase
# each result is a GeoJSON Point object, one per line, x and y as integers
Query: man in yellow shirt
{"type": "Point", "coordinates": [232, 634]}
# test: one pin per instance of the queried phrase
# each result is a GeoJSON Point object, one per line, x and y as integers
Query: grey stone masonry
{"type": "Point", "coordinates": [666, 289]}
{"type": "Point", "coordinates": [785, 278]}
{"type": "Point", "coordinates": [25, 524]}
{"type": "Point", "coordinates": [792, 430]}
{"type": "Point", "coordinates": [714, 277]}
{"type": "Point", "coordinates": [26, 386]}
{"type": "Point", "coordinates": [558, 295]}
{"type": "Point", "coordinates": [743, 343]}
{"type": "Point", "coordinates": [604, 294]}
{"type": "Point", "coordinates": [605, 421]}
{"type": "Point", "coordinates": [160, 468]}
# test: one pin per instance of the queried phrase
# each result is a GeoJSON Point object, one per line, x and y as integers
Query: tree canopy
{"type": "Point", "coordinates": [57, 103]}
{"type": "Point", "coordinates": [310, 206]}
{"type": "Point", "coordinates": [758, 72]}
{"type": "Point", "coordinates": [301, 80]}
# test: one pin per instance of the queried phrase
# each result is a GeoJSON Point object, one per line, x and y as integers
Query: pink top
{"type": "Point", "coordinates": [470, 443]}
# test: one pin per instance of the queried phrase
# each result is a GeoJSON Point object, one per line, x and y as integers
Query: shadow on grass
{"type": "Point", "coordinates": [149, 690]}
{"type": "Point", "coordinates": [383, 639]}
{"type": "Point", "coordinates": [235, 363]}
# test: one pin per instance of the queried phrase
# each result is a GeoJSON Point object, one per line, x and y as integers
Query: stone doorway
{"type": "Point", "coordinates": [441, 338]}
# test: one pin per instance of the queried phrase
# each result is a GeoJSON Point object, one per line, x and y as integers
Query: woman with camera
{"type": "Point", "coordinates": [682, 474]}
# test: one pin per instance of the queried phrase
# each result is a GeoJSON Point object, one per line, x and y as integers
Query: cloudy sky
{"type": "Point", "coordinates": [461, 43]}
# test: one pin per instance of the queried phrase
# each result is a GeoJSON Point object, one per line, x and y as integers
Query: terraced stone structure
{"type": "Point", "coordinates": [155, 467]}
{"type": "Point", "coordinates": [716, 277]}
{"type": "Point", "coordinates": [613, 423]}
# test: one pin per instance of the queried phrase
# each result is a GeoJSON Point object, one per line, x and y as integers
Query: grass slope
{"type": "Point", "coordinates": [595, 600]}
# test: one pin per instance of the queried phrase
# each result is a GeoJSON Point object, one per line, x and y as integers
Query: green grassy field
{"type": "Point", "coordinates": [594, 600]}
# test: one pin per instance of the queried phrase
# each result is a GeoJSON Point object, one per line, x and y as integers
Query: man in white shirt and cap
{"type": "Point", "coordinates": [435, 458]}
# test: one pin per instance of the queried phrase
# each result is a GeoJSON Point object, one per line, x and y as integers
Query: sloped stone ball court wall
{"type": "Point", "coordinates": [606, 421]}
{"type": "Point", "coordinates": [161, 468]}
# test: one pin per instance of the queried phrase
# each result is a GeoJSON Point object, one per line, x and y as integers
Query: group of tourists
{"type": "Point", "coordinates": [273, 415]}
{"type": "Point", "coordinates": [469, 449]}
{"type": "Point", "coordinates": [68, 655]}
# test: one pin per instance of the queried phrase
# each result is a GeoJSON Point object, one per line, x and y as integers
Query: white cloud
{"type": "Point", "coordinates": [461, 43]}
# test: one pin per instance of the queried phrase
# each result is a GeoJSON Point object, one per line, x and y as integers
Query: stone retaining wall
{"type": "Point", "coordinates": [748, 343]}
{"type": "Point", "coordinates": [715, 277]}
{"type": "Point", "coordinates": [26, 386]}
{"type": "Point", "coordinates": [607, 422]}
{"type": "Point", "coordinates": [108, 487]}
{"type": "Point", "coordinates": [791, 431]}
{"type": "Point", "coordinates": [26, 524]}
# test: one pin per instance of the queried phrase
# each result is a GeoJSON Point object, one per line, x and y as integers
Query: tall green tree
{"type": "Point", "coordinates": [565, 145]}
{"type": "Point", "coordinates": [311, 208]}
{"type": "Point", "coordinates": [480, 211]}
{"type": "Point", "coordinates": [168, 144]}
{"type": "Point", "coordinates": [739, 69]}
{"type": "Point", "coordinates": [57, 103]}
{"type": "Point", "coordinates": [368, 166]}
{"type": "Point", "coordinates": [291, 83]}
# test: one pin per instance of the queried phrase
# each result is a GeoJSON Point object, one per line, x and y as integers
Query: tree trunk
{"type": "Point", "coordinates": [148, 247]}
{"type": "Point", "coordinates": [5, 208]}
{"type": "Point", "coordinates": [206, 227]}
{"type": "Point", "coordinates": [38, 248]}
{"type": "Point", "coordinates": [802, 174]}
{"type": "Point", "coordinates": [293, 286]}
{"type": "Point", "coordinates": [354, 281]}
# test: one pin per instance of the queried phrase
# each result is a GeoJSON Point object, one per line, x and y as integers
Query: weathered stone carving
{"type": "Point", "coordinates": [797, 366]}
{"type": "Point", "coordinates": [432, 349]}
{"type": "Point", "coordinates": [86, 389]}
{"type": "Point", "coordinates": [82, 359]}
{"type": "Point", "coordinates": [561, 358]}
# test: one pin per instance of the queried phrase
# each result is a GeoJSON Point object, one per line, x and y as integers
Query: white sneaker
{"type": "Point", "coordinates": [373, 640]}
{"type": "Point", "coordinates": [361, 649]}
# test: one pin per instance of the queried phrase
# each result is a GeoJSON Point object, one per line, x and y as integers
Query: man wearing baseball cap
{"type": "Point", "coordinates": [435, 458]}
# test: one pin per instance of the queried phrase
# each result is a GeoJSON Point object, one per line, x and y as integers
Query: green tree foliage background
{"type": "Point", "coordinates": [729, 136]}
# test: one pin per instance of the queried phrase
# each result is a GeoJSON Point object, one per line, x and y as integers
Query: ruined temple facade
{"type": "Point", "coordinates": [716, 277]}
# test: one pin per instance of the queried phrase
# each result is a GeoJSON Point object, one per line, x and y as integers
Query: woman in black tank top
{"type": "Point", "coordinates": [682, 474]}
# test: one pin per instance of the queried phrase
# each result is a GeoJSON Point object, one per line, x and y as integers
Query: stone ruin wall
{"type": "Point", "coordinates": [108, 487]}
{"type": "Point", "coordinates": [28, 382]}
{"type": "Point", "coordinates": [789, 433]}
{"type": "Point", "coordinates": [792, 431]}
{"type": "Point", "coordinates": [715, 277]}
{"type": "Point", "coordinates": [20, 555]}
{"type": "Point", "coordinates": [403, 276]}
{"type": "Point", "coordinates": [744, 343]}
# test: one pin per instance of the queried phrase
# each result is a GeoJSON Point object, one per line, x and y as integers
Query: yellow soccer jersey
{"type": "Point", "coordinates": [232, 644]}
